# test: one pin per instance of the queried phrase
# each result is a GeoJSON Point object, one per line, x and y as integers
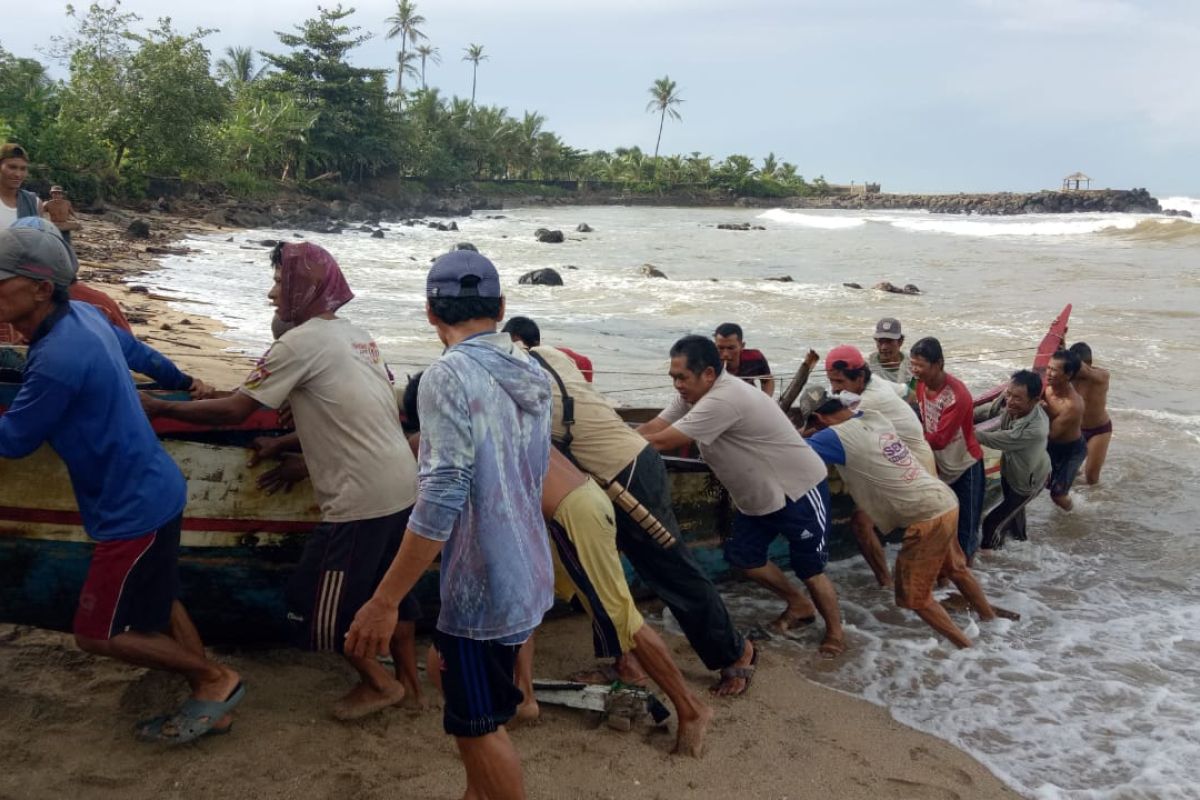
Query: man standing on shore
{"type": "Point", "coordinates": [776, 481]}
{"type": "Point", "coordinates": [740, 361]}
{"type": "Point", "coordinates": [363, 473]}
{"type": "Point", "coordinates": [15, 202]}
{"type": "Point", "coordinates": [849, 372]}
{"type": "Point", "coordinates": [947, 413]}
{"type": "Point", "coordinates": [883, 478]}
{"type": "Point", "coordinates": [889, 360]}
{"type": "Point", "coordinates": [1092, 384]}
{"type": "Point", "coordinates": [648, 533]}
{"type": "Point", "coordinates": [61, 212]}
{"type": "Point", "coordinates": [1021, 439]}
{"type": "Point", "coordinates": [485, 447]}
{"type": "Point", "coordinates": [78, 397]}
{"type": "Point", "coordinates": [1064, 406]}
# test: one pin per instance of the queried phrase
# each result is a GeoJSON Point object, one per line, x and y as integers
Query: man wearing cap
{"type": "Point", "coordinates": [15, 202]}
{"type": "Point", "coordinates": [849, 372]}
{"type": "Point", "coordinates": [1024, 463]}
{"type": "Point", "coordinates": [330, 372]}
{"type": "Point", "coordinates": [485, 448]}
{"type": "Point", "coordinates": [947, 414]}
{"type": "Point", "coordinates": [889, 361]}
{"type": "Point", "coordinates": [741, 361]}
{"type": "Point", "coordinates": [776, 481]}
{"type": "Point", "coordinates": [889, 484]}
{"type": "Point", "coordinates": [648, 533]}
{"type": "Point", "coordinates": [77, 396]}
{"type": "Point", "coordinates": [61, 212]}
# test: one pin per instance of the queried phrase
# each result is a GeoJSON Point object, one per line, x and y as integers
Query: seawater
{"type": "Point", "coordinates": [1095, 692]}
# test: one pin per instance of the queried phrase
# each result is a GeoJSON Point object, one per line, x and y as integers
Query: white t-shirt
{"type": "Point", "coordinates": [750, 444]}
{"type": "Point", "coordinates": [880, 395]}
{"type": "Point", "coordinates": [331, 373]}
{"type": "Point", "coordinates": [8, 215]}
{"type": "Point", "coordinates": [883, 477]}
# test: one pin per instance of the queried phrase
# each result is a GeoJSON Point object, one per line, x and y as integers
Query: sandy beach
{"type": "Point", "coordinates": [69, 716]}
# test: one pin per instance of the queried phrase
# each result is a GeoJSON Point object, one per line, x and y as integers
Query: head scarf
{"type": "Point", "coordinates": [312, 283]}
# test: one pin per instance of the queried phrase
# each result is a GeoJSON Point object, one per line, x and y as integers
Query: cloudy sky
{"type": "Point", "coordinates": [920, 95]}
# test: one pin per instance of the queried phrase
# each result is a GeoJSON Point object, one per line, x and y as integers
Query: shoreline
{"type": "Point", "coordinates": [848, 746]}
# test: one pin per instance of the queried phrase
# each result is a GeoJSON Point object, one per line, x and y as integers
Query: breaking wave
{"type": "Point", "coordinates": [1158, 230]}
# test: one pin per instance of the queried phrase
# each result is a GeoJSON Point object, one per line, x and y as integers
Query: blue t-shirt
{"type": "Point", "coordinates": [78, 396]}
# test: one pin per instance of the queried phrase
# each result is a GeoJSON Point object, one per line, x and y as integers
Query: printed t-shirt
{"type": "Point", "coordinates": [948, 418]}
{"type": "Point", "coordinates": [750, 445]}
{"type": "Point", "coordinates": [880, 472]}
{"type": "Point", "coordinates": [331, 373]}
{"type": "Point", "coordinates": [879, 395]}
{"type": "Point", "coordinates": [753, 364]}
{"type": "Point", "coordinates": [601, 441]}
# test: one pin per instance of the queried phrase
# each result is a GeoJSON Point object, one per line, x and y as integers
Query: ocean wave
{"type": "Point", "coordinates": [1057, 225]}
{"type": "Point", "coordinates": [1157, 230]}
{"type": "Point", "coordinates": [1191, 204]}
{"type": "Point", "coordinates": [820, 221]}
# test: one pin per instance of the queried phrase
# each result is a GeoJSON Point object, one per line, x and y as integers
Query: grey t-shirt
{"type": "Point", "coordinates": [1024, 462]}
{"type": "Point", "coordinates": [750, 445]}
{"type": "Point", "coordinates": [901, 373]}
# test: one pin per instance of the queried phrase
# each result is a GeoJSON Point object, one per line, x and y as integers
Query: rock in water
{"type": "Point", "coordinates": [548, 236]}
{"type": "Point", "coordinates": [377, 234]}
{"type": "Point", "coordinates": [651, 271]}
{"type": "Point", "coordinates": [138, 229]}
{"type": "Point", "coordinates": [782, 279]}
{"type": "Point", "coordinates": [583, 227]}
{"type": "Point", "coordinates": [734, 226]}
{"type": "Point", "coordinates": [542, 277]}
{"type": "Point", "coordinates": [911, 288]}
{"type": "Point", "coordinates": [466, 246]}
{"type": "Point", "coordinates": [852, 285]}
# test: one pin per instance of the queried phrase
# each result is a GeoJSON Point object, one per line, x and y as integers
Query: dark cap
{"type": "Point", "coordinates": [32, 253]}
{"type": "Point", "coordinates": [814, 397]}
{"type": "Point", "coordinates": [888, 328]}
{"type": "Point", "coordinates": [13, 150]}
{"type": "Point", "coordinates": [447, 273]}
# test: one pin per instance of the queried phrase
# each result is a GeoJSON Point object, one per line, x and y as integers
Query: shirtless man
{"type": "Point", "coordinates": [1092, 384]}
{"type": "Point", "coordinates": [61, 212]}
{"type": "Point", "coordinates": [1064, 406]}
{"type": "Point", "coordinates": [582, 527]}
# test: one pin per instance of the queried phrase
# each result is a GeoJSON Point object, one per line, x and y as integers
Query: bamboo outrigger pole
{"type": "Point", "coordinates": [798, 380]}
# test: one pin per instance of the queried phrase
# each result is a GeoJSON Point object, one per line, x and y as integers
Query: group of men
{"type": "Point", "coordinates": [517, 473]}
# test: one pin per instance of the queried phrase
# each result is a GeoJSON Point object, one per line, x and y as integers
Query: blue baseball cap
{"type": "Point", "coordinates": [447, 273]}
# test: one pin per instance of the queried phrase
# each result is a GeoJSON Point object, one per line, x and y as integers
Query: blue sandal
{"type": "Point", "coordinates": [194, 719]}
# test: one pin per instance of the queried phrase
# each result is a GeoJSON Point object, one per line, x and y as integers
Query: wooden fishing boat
{"type": "Point", "coordinates": [238, 544]}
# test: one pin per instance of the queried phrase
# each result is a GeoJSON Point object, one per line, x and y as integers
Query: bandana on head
{"type": "Point", "coordinates": [312, 283]}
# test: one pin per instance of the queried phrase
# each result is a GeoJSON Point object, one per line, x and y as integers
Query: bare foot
{"type": "Point", "coordinates": [690, 739]}
{"type": "Point", "coordinates": [831, 647]}
{"type": "Point", "coordinates": [789, 621]}
{"type": "Point", "coordinates": [364, 700]}
{"type": "Point", "coordinates": [528, 713]}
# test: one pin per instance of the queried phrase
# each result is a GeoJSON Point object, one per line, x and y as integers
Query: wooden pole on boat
{"type": "Point", "coordinates": [798, 380]}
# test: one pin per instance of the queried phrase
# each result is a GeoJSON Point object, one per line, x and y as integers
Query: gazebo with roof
{"type": "Point", "coordinates": [1073, 181]}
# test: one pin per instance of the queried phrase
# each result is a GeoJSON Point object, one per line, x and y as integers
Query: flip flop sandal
{"type": "Point", "coordinates": [193, 720]}
{"type": "Point", "coordinates": [745, 673]}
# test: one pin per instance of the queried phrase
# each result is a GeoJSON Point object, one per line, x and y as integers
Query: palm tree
{"type": "Point", "coordinates": [665, 96]}
{"type": "Point", "coordinates": [237, 68]}
{"type": "Point", "coordinates": [426, 51]}
{"type": "Point", "coordinates": [474, 54]}
{"type": "Point", "coordinates": [404, 23]}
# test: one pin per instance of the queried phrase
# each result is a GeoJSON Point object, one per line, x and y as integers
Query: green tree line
{"type": "Point", "coordinates": [149, 100]}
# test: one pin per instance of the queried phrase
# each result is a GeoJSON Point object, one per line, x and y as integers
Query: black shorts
{"type": "Point", "coordinates": [338, 572]}
{"type": "Point", "coordinates": [804, 522]}
{"type": "Point", "coordinates": [477, 682]}
{"type": "Point", "coordinates": [131, 585]}
{"type": "Point", "coordinates": [1065, 460]}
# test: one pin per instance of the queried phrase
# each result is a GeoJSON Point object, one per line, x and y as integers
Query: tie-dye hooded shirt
{"type": "Point", "coordinates": [485, 447]}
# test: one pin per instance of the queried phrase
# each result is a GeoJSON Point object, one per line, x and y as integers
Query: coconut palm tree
{"type": "Point", "coordinates": [427, 52]}
{"type": "Point", "coordinates": [474, 54]}
{"type": "Point", "coordinates": [404, 23]}
{"type": "Point", "coordinates": [665, 96]}
{"type": "Point", "coordinates": [237, 68]}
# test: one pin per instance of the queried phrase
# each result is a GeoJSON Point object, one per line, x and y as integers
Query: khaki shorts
{"type": "Point", "coordinates": [930, 548]}
{"type": "Point", "coordinates": [587, 566]}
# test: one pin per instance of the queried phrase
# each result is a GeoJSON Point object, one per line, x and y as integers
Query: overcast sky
{"type": "Point", "coordinates": [920, 95]}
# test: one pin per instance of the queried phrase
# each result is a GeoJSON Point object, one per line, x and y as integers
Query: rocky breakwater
{"type": "Point", "coordinates": [1109, 201]}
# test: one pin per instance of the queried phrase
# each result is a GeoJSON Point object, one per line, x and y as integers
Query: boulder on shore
{"type": "Point", "coordinates": [583, 227]}
{"type": "Point", "coordinates": [542, 277]}
{"type": "Point", "coordinates": [548, 236]}
{"type": "Point", "coordinates": [651, 271]}
{"type": "Point", "coordinates": [138, 229]}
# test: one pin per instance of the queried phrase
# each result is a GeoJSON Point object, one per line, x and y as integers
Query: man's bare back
{"type": "Point", "coordinates": [562, 478]}
{"type": "Point", "coordinates": [1092, 385]}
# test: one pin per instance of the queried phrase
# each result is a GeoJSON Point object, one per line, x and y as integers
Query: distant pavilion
{"type": "Point", "coordinates": [1072, 182]}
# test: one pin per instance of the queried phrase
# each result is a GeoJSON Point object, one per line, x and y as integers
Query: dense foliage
{"type": "Point", "coordinates": [150, 100]}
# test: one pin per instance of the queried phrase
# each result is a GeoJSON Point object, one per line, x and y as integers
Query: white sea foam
{"type": "Point", "coordinates": [1191, 204]}
{"type": "Point", "coordinates": [821, 221]}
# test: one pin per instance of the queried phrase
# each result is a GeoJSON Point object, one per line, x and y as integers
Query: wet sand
{"type": "Point", "coordinates": [68, 716]}
{"type": "Point", "coordinates": [69, 719]}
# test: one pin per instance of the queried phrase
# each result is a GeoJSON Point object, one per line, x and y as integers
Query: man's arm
{"type": "Point", "coordinates": [828, 446]}
{"type": "Point", "coordinates": [229, 410]}
{"type": "Point", "coordinates": [143, 358]}
{"type": "Point", "coordinates": [1067, 416]}
{"type": "Point", "coordinates": [1013, 439]}
{"type": "Point", "coordinates": [33, 416]}
{"type": "Point", "coordinates": [667, 437]}
{"type": "Point", "coordinates": [949, 422]}
{"type": "Point", "coordinates": [768, 386]}
{"type": "Point", "coordinates": [655, 425]}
